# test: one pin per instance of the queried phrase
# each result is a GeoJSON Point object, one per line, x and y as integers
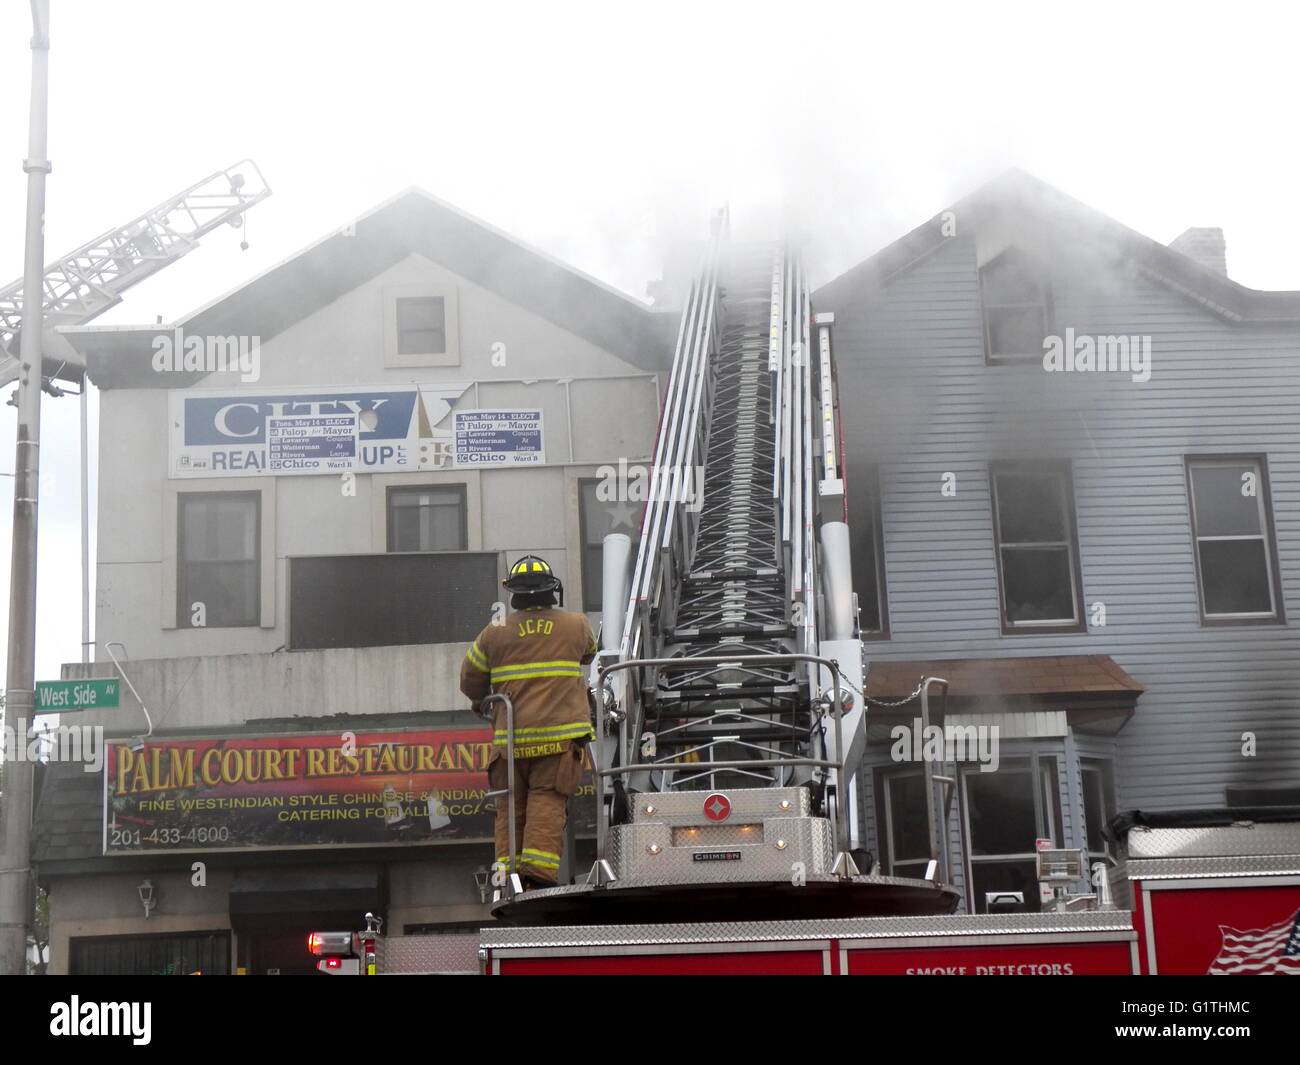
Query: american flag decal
{"type": "Point", "coordinates": [1272, 951]}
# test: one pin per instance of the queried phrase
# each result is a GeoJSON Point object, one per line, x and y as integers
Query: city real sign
{"type": "Point", "coordinates": [241, 433]}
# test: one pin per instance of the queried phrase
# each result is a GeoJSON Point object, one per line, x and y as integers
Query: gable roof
{"type": "Point", "coordinates": [412, 222]}
{"type": "Point", "coordinates": [1026, 198]}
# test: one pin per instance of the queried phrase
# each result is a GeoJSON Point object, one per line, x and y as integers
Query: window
{"type": "Point", "coordinates": [427, 518]}
{"type": "Point", "coordinates": [166, 955]}
{"type": "Point", "coordinates": [1033, 524]}
{"type": "Point", "coordinates": [1235, 563]}
{"type": "Point", "coordinates": [907, 838]}
{"type": "Point", "coordinates": [421, 325]}
{"type": "Point", "coordinates": [1005, 814]}
{"type": "Point", "coordinates": [598, 518]}
{"type": "Point", "coordinates": [218, 547]}
{"type": "Point", "coordinates": [869, 562]}
{"type": "Point", "coordinates": [1098, 807]}
{"type": "Point", "coordinates": [1017, 305]}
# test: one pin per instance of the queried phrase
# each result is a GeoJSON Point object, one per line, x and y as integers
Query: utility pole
{"type": "Point", "coordinates": [20, 695]}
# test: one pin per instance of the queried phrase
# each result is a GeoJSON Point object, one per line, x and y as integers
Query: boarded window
{"type": "Point", "coordinates": [431, 518]}
{"type": "Point", "coordinates": [219, 559]}
{"type": "Point", "coordinates": [421, 325]}
{"type": "Point", "coordinates": [1234, 552]}
{"type": "Point", "coordinates": [1037, 550]}
{"type": "Point", "coordinates": [390, 600]}
{"type": "Point", "coordinates": [1016, 298]}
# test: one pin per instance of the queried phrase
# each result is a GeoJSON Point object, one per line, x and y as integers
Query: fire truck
{"type": "Point", "coordinates": [730, 719]}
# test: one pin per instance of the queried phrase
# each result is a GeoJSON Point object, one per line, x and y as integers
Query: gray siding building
{"type": "Point", "coordinates": [1104, 561]}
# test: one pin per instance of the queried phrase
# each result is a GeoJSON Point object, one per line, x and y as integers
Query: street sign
{"type": "Point", "coordinates": [64, 696]}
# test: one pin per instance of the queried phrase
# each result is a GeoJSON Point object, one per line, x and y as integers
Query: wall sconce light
{"type": "Point", "coordinates": [482, 878]}
{"type": "Point", "coordinates": [147, 897]}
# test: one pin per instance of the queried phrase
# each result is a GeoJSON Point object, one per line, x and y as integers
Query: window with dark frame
{"type": "Point", "coordinates": [421, 325]}
{"type": "Point", "coordinates": [427, 518]}
{"type": "Point", "coordinates": [1098, 804]}
{"type": "Point", "coordinates": [906, 839]}
{"type": "Point", "coordinates": [1236, 564]}
{"type": "Point", "coordinates": [1017, 303]}
{"type": "Point", "coordinates": [598, 518]}
{"type": "Point", "coordinates": [1037, 548]}
{"type": "Point", "coordinates": [219, 564]}
{"type": "Point", "coordinates": [869, 563]}
{"type": "Point", "coordinates": [1004, 818]}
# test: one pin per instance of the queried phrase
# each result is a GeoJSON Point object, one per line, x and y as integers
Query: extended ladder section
{"type": "Point", "coordinates": [86, 282]}
{"type": "Point", "coordinates": [733, 666]}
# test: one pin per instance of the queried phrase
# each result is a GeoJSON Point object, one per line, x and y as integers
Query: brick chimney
{"type": "Point", "coordinates": [1206, 246]}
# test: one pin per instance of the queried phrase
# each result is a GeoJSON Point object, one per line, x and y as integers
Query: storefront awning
{"type": "Point", "coordinates": [1092, 690]}
{"type": "Point", "coordinates": [289, 891]}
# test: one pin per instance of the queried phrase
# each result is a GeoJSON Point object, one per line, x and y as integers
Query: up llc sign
{"type": "Point", "coordinates": [318, 431]}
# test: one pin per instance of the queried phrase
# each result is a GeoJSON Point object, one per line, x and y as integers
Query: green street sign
{"type": "Point", "coordinates": [65, 696]}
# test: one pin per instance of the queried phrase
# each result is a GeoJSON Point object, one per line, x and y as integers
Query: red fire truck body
{"type": "Point", "coordinates": [1208, 894]}
{"type": "Point", "coordinates": [1095, 943]}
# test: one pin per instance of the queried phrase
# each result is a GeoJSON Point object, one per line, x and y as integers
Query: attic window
{"type": "Point", "coordinates": [1017, 301]}
{"type": "Point", "coordinates": [421, 325]}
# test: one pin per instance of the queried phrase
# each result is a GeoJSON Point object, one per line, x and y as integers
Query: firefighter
{"type": "Point", "coordinates": [536, 658]}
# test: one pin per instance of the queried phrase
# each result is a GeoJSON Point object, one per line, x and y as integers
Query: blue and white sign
{"type": "Point", "coordinates": [306, 443]}
{"type": "Point", "coordinates": [220, 433]}
{"type": "Point", "coordinates": [486, 438]}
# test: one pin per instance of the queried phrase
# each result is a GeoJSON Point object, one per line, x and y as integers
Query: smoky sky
{"type": "Point", "coordinates": [604, 133]}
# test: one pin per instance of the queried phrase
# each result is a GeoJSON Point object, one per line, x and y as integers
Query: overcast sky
{"type": "Point", "coordinates": [601, 132]}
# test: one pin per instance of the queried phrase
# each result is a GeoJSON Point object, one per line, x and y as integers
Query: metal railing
{"type": "Point", "coordinates": [666, 530]}
{"type": "Point", "coordinates": [510, 886]}
{"type": "Point", "coordinates": [839, 824]}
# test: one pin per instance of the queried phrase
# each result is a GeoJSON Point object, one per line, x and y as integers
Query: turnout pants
{"type": "Point", "coordinates": [542, 789]}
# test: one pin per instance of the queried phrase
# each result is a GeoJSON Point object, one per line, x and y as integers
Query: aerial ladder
{"type": "Point", "coordinates": [81, 285]}
{"type": "Point", "coordinates": [731, 715]}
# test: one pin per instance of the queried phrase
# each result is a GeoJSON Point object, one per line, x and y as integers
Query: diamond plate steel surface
{"type": "Point", "coordinates": [1236, 865]}
{"type": "Point", "coordinates": [715, 835]}
{"type": "Point", "coordinates": [956, 925]}
{"type": "Point", "coordinates": [747, 805]}
{"type": "Point", "coordinates": [807, 839]}
{"type": "Point", "coordinates": [1217, 841]}
{"type": "Point", "coordinates": [451, 952]}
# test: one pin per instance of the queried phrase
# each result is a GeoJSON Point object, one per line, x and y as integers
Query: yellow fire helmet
{"type": "Point", "coordinates": [531, 574]}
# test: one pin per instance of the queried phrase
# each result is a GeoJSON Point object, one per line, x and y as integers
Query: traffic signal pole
{"type": "Point", "coordinates": [20, 695]}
